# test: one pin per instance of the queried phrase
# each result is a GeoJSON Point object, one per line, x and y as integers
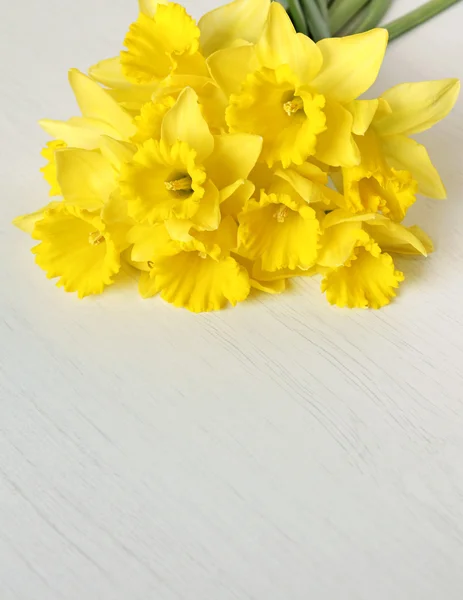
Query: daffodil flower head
{"type": "Point", "coordinates": [280, 231]}
{"type": "Point", "coordinates": [201, 276]}
{"type": "Point", "coordinates": [155, 42]}
{"type": "Point", "coordinates": [367, 279]}
{"type": "Point", "coordinates": [76, 246]}
{"type": "Point", "coordinates": [289, 117]}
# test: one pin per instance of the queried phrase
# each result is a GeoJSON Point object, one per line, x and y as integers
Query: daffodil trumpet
{"type": "Point", "coordinates": [216, 160]}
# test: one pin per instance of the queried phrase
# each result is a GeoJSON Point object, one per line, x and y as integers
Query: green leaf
{"type": "Point", "coordinates": [417, 17]}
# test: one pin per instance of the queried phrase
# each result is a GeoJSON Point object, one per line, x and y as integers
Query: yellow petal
{"type": "Point", "coordinates": [148, 7]}
{"type": "Point", "coordinates": [363, 112]}
{"type": "Point", "coordinates": [280, 44]}
{"type": "Point", "coordinates": [276, 286]}
{"type": "Point", "coordinates": [310, 191]}
{"type": "Point", "coordinates": [417, 106]}
{"type": "Point", "coordinates": [116, 153]}
{"type": "Point", "coordinates": [369, 279]}
{"type": "Point", "coordinates": [184, 122]}
{"type": "Point", "coordinates": [96, 103]}
{"type": "Point", "coordinates": [108, 72]}
{"type": "Point", "coordinates": [350, 64]}
{"type": "Point", "coordinates": [234, 197]}
{"type": "Point", "coordinates": [231, 66]}
{"type": "Point", "coordinates": [27, 222]}
{"type": "Point", "coordinates": [76, 247]}
{"type": "Point", "coordinates": [220, 242]}
{"type": "Point", "coordinates": [150, 242]}
{"type": "Point", "coordinates": [115, 209]}
{"type": "Point", "coordinates": [338, 242]}
{"type": "Point", "coordinates": [258, 273]}
{"type": "Point", "coordinates": [336, 146]}
{"type": "Point", "coordinates": [84, 174]}
{"type": "Point", "coordinates": [147, 286]}
{"type": "Point", "coordinates": [200, 283]}
{"type": "Point", "coordinates": [394, 237]}
{"type": "Point", "coordinates": [49, 170]}
{"type": "Point", "coordinates": [207, 217]}
{"type": "Point", "coordinates": [279, 232]}
{"type": "Point", "coordinates": [405, 153]}
{"type": "Point", "coordinates": [149, 121]}
{"type": "Point", "coordinates": [241, 19]}
{"type": "Point", "coordinates": [79, 132]}
{"type": "Point", "coordinates": [234, 157]}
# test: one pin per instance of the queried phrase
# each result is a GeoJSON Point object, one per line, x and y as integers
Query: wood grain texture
{"type": "Point", "coordinates": [283, 450]}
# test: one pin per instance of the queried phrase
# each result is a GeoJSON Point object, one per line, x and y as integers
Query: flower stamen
{"type": "Point", "coordinates": [95, 238]}
{"type": "Point", "coordinates": [281, 214]}
{"type": "Point", "coordinates": [293, 106]}
{"type": "Point", "coordinates": [179, 185]}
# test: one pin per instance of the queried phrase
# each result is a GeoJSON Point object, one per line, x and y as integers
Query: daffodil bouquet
{"type": "Point", "coordinates": [234, 153]}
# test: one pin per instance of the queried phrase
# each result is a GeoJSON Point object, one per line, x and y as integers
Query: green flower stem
{"type": "Point", "coordinates": [342, 11]}
{"type": "Point", "coordinates": [317, 24]}
{"type": "Point", "coordinates": [416, 17]}
{"type": "Point", "coordinates": [376, 11]}
{"type": "Point", "coordinates": [297, 16]}
{"type": "Point", "coordinates": [284, 3]}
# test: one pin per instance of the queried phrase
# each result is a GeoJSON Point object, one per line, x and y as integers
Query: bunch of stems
{"type": "Point", "coordinates": [327, 18]}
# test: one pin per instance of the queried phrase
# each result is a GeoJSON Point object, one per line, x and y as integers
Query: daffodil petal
{"type": "Point", "coordinates": [336, 146]}
{"type": "Point", "coordinates": [241, 19]}
{"type": "Point", "coordinates": [233, 198]}
{"type": "Point", "coordinates": [394, 237]}
{"type": "Point", "coordinates": [79, 132]}
{"type": "Point", "coordinates": [350, 64]}
{"type": "Point", "coordinates": [207, 217]}
{"type": "Point", "coordinates": [280, 44]}
{"type": "Point", "coordinates": [368, 280]}
{"type": "Point", "coordinates": [408, 154]}
{"type": "Point", "coordinates": [363, 112]}
{"type": "Point", "coordinates": [230, 67]}
{"type": "Point", "coordinates": [115, 152]}
{"type": "Point", "coordinates": [200, 284]}
{"type": "Point", "coordinates": [234, 157]}
{"type": "Point", "coordinates": [96, 103]}
{"type": "Point", "coordinates": [146, 286]}
{"type": "Point", "coordinates": [150, 242]}
{"type": "Point", "coordinates": [416, 107]}
{"type": "Point", "coordinates": [27, 222]}
{"type": "Point", "coordinates": [184, 122]}
{"type": "Point", "coordinates": [338, 242]}
{"type": "Point", "coordinates": [148, 7]}
{"type": "Point", "coordinates": [108, 72]}
{"type": "Point", "coordinates": [84, 174]}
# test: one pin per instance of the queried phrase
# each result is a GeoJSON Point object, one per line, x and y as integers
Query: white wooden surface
{"type": "Point", "coordinates": [284, 450]}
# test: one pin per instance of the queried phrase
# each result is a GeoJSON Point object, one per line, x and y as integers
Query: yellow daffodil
{"type": "Point", "coordinates": [200, 275]}
{"type": "Point", "coordinates": [280, 231]}
{"type": "Point", "coordinates": [157, 42]}
{"type": "Point", "coordinates": [394, 167]}
{"type": "Point", "coordinates": [177, 178]}
{"type": "Point", "coordinates": [77, 247]}
{"type": "Point", "coordinates": [298, 95]}
{"type": "Point", "coordinates": [358, 271]}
